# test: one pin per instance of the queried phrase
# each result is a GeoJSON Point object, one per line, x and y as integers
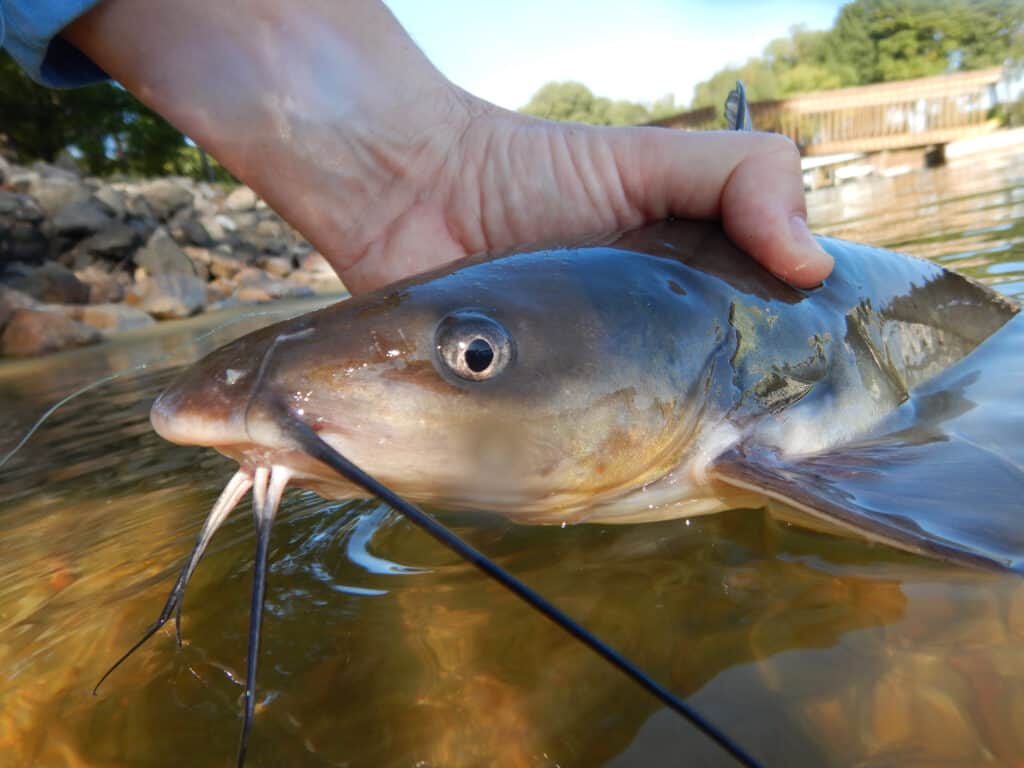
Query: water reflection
{"type": "Point", "coordinates": [381, 649]}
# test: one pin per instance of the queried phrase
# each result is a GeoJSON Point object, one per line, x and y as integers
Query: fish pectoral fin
{"type": "Point", "coordinates": [935, 494]}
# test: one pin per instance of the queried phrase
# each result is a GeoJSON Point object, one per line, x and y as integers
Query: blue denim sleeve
{"type": "Point", "coordinates": [29, 31]}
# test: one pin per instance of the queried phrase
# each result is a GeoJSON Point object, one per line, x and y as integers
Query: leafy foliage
{"type": "Point", "coordinates": [574, 102]}
{"type": "Point", "coordinates": [105, 128]}
{"type": "Point", "coordinates": [875, 41]}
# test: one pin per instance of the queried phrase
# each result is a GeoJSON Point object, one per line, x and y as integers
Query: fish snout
{"type": "Point", "coordinates": [200, 415]}
{"type": "Point", "coordinates": [207, 404]}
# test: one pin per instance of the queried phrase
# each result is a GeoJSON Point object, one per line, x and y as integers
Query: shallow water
{"type": "Point", "coordinates": [380, 649]}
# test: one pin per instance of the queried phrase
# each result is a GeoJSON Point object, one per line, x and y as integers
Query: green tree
{"type": "Point", "coordinates": [805, 61]}
{"type": "Point", "coordinates": [103, 126]}
{"type": "Point", "coordinates": [39, 122]}
{"type": "Point", "coordinates": [665, 106]}
{"type": "Point", "coordinates": [760, 80]}
{"type": "Point", "coordinates": [876, 41]}
{"type": "Point", "coordinates": [574, 102]}
{"type": "Point", "coordinates": [883, 40]}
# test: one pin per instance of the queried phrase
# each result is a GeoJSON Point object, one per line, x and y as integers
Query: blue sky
{"type": "Point", "coordinates": [639, 50]}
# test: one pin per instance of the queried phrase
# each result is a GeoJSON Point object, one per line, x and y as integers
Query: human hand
{"type": "Point", "coordinates": [493, 180]}
{"type": "Point", "coordinates": [330, 112]}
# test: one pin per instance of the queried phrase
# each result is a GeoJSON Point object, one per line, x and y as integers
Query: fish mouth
{"type": "Point", "coordinates": [193, 427]}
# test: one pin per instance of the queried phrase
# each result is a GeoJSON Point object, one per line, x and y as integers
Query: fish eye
{"type": "Point", "coordinates": [473, 346]}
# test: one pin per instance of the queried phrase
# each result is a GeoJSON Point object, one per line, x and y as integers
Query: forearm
{"type": "Point", "coordinates": [285, 95]}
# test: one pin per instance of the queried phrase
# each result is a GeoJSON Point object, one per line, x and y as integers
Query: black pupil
{"type": "Point", "coordinates": [479, 355]}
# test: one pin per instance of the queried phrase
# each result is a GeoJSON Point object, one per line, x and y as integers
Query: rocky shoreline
{"type": "Point", "coordinates": [84, 258]}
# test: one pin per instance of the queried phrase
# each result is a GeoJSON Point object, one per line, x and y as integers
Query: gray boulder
{"type": "Point", "coordinates": [55, 191]}
{"type": "Point", "coordinates": [165, 196]}
{"type": "Point", "coordinates": [240, 199]}
{"type": "Point", "coordinates": [161, 255]}
{"type": "Point", "coordinates": [116, 240]}
{"type": "Point", "coordinates": [50, 282]}
{"type": "Point", "coordinates": [104, 287]}
{"type": "Point", "coordinates": [197, 234]}
{"type": "Point", "coordinates": [278, 266]}
{"type": "Point", "coordinates": [111, 199]}
{"type": "Point", "coordinates": [80, 219]}
{"type": "Point", "coordinates": [9, 202]}
{"type": "Point", "coordinates": [169, 295]}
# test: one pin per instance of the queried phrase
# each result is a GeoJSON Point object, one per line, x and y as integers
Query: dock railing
{"type": "Point", "coordinates": [873, 118]}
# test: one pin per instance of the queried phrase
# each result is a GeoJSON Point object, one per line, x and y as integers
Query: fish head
{"type": "Point", "coordinates": [530, 385]}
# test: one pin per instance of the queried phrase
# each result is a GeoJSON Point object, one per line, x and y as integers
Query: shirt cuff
{"type": "Point", "coordinates": [30, 33]}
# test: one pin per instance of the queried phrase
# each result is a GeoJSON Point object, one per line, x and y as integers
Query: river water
{"type": "Point", "coordinates": [380, 649]}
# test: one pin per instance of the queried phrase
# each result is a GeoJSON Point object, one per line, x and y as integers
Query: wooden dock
{"type": "Point", "coordinates": [905, 114]}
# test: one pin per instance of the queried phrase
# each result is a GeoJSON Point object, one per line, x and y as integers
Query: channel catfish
{"type": "Point", "coordinates": [661, 374]}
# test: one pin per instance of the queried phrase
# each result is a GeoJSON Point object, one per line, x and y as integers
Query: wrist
{"type": "Point", "coordinates": [328, 111]}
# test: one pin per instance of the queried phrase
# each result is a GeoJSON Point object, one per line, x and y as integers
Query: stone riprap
{"type": "Point", "coordinates": [84, 258]}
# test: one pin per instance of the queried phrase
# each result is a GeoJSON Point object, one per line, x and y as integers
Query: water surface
{"type": "Point", "coordinates": [380, 649]}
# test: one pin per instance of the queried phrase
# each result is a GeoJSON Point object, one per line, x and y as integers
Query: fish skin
{"type": "Point", "coordinates": [637, 364]}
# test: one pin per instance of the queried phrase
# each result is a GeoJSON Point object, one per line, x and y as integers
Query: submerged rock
{"type": "Point", "coordinates": [10, 300]}
{"type": "Point", "coordinates": [110, 318]}
{"type": "Point", "coordinates": [31, 332]}
{"type": "Point", "coordinates": [255, 285]}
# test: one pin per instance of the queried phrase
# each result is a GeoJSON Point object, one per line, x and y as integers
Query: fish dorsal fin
{"type": "Point", "coordinates": [737, 111]}
{"type": "Point", "coordinates": [943, 476]}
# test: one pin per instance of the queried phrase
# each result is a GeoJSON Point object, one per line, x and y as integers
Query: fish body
{"type": "Point", "coordinates": [634, 372]}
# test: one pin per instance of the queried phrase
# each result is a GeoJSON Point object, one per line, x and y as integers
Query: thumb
{"type": "Point", "coordinates": [764, 212]}
{"type": "Point", "coordinates": [751, 181]}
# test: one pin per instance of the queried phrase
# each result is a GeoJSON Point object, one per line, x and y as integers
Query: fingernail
{"type": "Point", "coordinates": [812, 258]}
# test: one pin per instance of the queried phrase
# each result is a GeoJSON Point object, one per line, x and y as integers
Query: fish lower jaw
{"type": "Point", "coordinates": [195, 428]}
{"type": "Point", "coordinates": [305, 472]}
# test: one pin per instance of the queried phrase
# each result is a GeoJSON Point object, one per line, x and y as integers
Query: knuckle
{"type": "Point", "coordinates": [781, 147]}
